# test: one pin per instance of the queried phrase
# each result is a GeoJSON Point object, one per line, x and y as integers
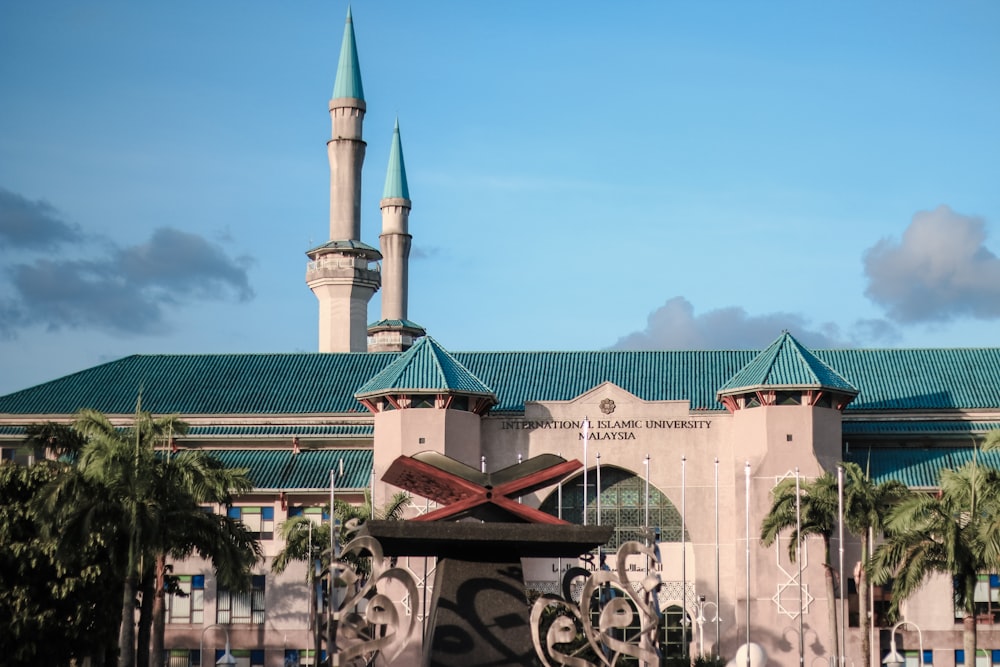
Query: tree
{"type": "Point", "coordinates": [818, 509]}
{"type": "Point", "coordinates": [153, 500]}
{"type": "Point", "coordinates": [52, 601]}
{"type": "Point", "coordinates": [866, 505]}
{"type": "Point", "coordinates": [184, 483]}
{"type": "Point", "coordinates": [948, 533]}
{"type": "Point", "coordinates": [304, 540]}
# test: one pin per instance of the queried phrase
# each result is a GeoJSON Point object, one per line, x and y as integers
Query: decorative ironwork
{"type": "Point", "coordinates": [368, 622]}
{"type": "Point", "coordinates": [563, 630]}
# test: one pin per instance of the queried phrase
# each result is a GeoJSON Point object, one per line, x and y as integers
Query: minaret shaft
{"type": "Point", "coordinates": [346, 154]}
{"type": "Point", "coordinates": [395, 244]}
{"type": "Point", "coordinates": [343, 273]}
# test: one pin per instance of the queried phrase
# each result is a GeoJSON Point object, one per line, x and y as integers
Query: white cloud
{"type": "Point", "coordinates": [939, 271]}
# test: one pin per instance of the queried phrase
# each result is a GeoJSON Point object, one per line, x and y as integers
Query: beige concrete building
{"type": "Point", "coordinates": [683, 447]}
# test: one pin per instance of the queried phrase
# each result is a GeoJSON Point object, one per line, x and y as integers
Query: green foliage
{"type": "Point", "coordinates": [953, 533]}
{"type": "Point", "coordinates": [53, 600]}
{"type": "Point", "coordinates": [100, 529]}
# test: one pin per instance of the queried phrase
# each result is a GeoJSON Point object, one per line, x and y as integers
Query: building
{"type": "Point", "coordinates": [712, 431]}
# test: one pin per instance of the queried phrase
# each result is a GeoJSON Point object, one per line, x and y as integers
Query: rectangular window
{"type": "Point", "coordinates": [187, 605]}
{"type": "Point", "coordinates": [182, 657]}
{"type": "Point", "coordinates": [245, 658]}
{"type": "Point", "coordinates": [986, 597]}
{"type": "Point", "coordinates": [315, 514]}
{"type": "Point", "coordinates": [982, 659]}
{"type": "Point", "coordinates": [246, 607]}
{"type": "Point", "coordinates": [258, 520]}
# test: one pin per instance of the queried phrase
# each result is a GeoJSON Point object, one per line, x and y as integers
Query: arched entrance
{"type": "Point", "coordinates": [624, 505]}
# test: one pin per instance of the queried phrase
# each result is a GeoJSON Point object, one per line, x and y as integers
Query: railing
{"type": "Point", "coordinates": [343, 263]}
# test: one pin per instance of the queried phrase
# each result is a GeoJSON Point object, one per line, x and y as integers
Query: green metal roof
{"type": "Point", "coordinates": [425, 367]}
{"type": "Point", "coordinates": [395, 177]}
{"type": "Point", "coordinates": [307, 383]}
{"type": "Point", "coordinates": [348, 82]}
{"type": "Point", "coordinates": [917, 428]}
{"type": "Point", "coordinates": [396, 324]}
{"type": "Point", "coordinates": [917, 467]}
{"type": "Point", "coordinates": [349, 246]}
{"type": "Point", "coordinates": [329, 430]}
{"type": "Point", "coordinates": [786, 363]}
{"type": "Point", "coordinates": [309, 469]}
{"type": "Point", "coordinates": [208, 384]}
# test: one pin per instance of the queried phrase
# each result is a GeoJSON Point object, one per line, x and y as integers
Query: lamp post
{"type": "Point", "coordinates": [894, 659]}
{"type": "Point", "coordinates": [700, 619]}
{"type": "Point", "coordinates": [227, 657]}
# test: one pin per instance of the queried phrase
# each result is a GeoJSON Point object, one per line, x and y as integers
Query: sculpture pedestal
{"type": "Point", "coordinates": [479, 612]}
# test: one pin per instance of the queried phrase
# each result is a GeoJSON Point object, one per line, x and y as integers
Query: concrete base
{"type": "Point", "coordinates": [479, 613]}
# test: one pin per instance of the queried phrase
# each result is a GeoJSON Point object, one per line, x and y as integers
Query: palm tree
{"type": "Point", "coordinates": [305, 540]}
{"type": "Point", "coordinates": [948, 533]}
{"type": "Point", "coordinates": [866, 505]}
{"type": "Point", "coordinates": [151, 503]}
{"type": "Point", "coordinates": [122, 462]}
{"type": "Point", "coordinates": [818, 509]}
{"type": "Point", "coordinates": [185, 483]}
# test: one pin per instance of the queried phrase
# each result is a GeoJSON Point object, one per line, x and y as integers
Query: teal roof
{"type": "Point", "coordinates": [306, 383]}
{"type": "Point", "coordinates": [395, 177]}
{"type": "Point", "coordinates": [309, 469]}
{"type": "Point", "coordinates": [208, 384]}
{"type": "Point", "coordinates": [345, 431]}
{"type": "Point", "coordinates": [917, 467]}
{"type": "Point", "coordinates": [348, 246]}
{"type": "Point", "coordinates": [348, 82]}
{"type": "Point", "coordinates": [395, 324]}
{"type": "Point", "coordinates": [918, 428]}
{"type": "Point", "coordinates": [425, 367]}
{"type": "Point", "coordinates": [786, 363]}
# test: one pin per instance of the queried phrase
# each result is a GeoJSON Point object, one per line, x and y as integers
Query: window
{"type": "Point", "coordinates": [244, 657]}
{"type": "Point", "coordinates": [246, 607]}
{"type": "Point", "coordinates": [315, 514]}
{"type": "Point", "coordinates": [187, 603]}
{"type": "Point", "coordinates": [420, 401]}
{"type": "Point", "coordinates": [258, 520]}
{"type": "Point", "coordinates": [912, 658]}
{"type": "Point", "coordinates": [787, 398]}
{"type": "Point", "coordinates": [623, 505]}
{"type": "Point", "coordinates": [182, 657]}
{"type": "Point", "coordinates": [300, 657]}
{"type": "Point", "coordinates": [986, 598]}
{"type": "Point", "coordinates": [751, 401]}
{"type": "Point", "coordinates": [984, 657]}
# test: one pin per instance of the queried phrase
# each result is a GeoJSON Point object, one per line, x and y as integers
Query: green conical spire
{"type": "Point", "coordinates": [395, 177]}
{"type": "Point", "coordinates": [348, 83]}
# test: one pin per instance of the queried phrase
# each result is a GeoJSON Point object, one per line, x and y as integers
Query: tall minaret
{"type": "Point", "coordinates": [395, 333]}
{"type": "Point", "coordinates": [343, 273]}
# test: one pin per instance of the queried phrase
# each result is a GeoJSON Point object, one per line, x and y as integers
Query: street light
{"type": "Point", "coordinates": [700, 619]}
{"type": "Point", "coordinates": [894, 659]}
{"type": "Point", "coordinates": [227, 657]}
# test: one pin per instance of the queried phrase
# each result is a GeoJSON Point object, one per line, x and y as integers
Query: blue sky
{"type": "Point", "coordinates": [583, 175]}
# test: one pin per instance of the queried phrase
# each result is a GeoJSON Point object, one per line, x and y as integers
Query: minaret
{"type": "Point", "coordinates": [395, 333]}
{"type": "Point", "coordinates": [343, 273]}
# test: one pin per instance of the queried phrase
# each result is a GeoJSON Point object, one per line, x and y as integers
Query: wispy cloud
{"type": "Point", "coordinates": [675, 326]}
{"type": "Point", "coordinates": [939, 271]}
{"type": "Point", "coordinates": [118, 289]}
{"type": "Point", "coordinates": [32, 225]}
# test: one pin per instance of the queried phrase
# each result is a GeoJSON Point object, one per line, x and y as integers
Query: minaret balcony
{"type": "Point", "coordinates": [342, 262]}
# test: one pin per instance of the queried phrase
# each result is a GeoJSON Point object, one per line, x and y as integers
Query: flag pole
{"type": "Point", "coordinates": [746, 475]}
{"type": "Point", "coordinates": [798, 552]}
{"type": "Point", "coordinates": [684, 592]}
{"type": "Point", "coordinates": [586, 461]}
